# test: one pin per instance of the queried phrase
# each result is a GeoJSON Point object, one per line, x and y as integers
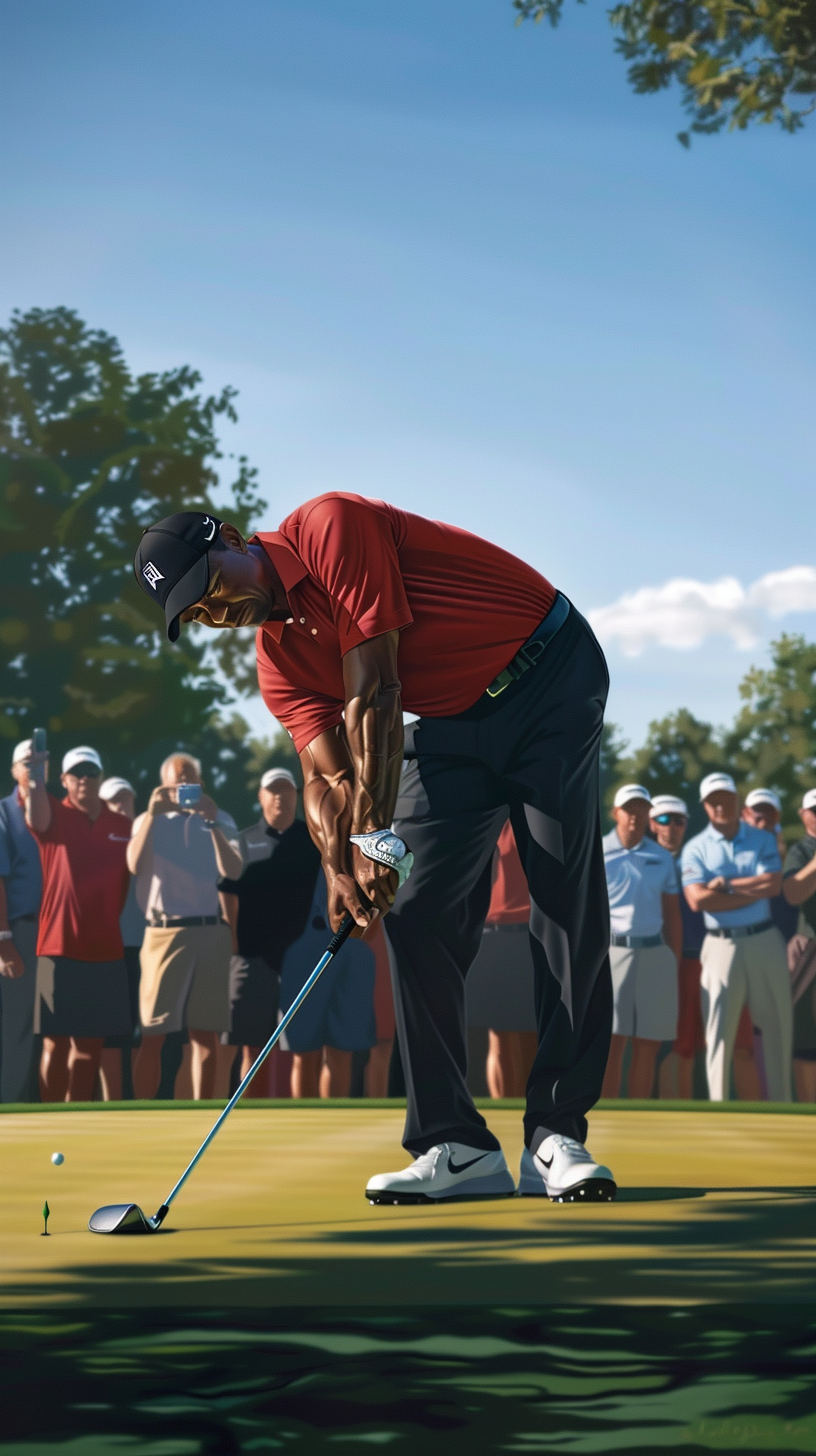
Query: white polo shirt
{"type": "Point", "coordinates": [181, 877]}
{"type": "Point", "coordinates": [636, 879]}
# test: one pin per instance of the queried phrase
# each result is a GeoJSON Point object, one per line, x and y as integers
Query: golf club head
{"type": "Point", "coordinates": [120, 1218]}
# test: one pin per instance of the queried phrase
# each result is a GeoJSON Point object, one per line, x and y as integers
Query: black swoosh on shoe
{"type": "Point", "coordinates": [460, 1167]}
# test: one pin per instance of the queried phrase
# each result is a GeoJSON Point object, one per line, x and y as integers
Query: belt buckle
{"type": "Point", "coordinates": [502, 681]}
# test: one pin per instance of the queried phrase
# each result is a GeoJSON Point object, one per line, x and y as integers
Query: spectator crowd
{"type": "Point", "coordinates": [152, 955]}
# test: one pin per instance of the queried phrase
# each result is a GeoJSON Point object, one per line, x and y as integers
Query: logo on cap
{"type": "Point", "coordinates": [208, 522]}
{"type": "Point", "coordinates": [152, 575]}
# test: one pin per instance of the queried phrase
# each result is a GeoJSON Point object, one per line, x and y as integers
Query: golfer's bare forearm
{"type": "Point", "coordinates": [374, 730]}
{"type": "Point", "coordinates": [716, 901]}
{"type": "Point", "coordinates": [328, 775]}
{"type": "Point", "coordinates": [762, 887]}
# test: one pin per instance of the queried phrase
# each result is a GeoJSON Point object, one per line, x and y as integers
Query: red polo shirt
{"type": "Point", "coordinates": [85, 883]}
{"type": "Point", "coordinates": [355, 568]}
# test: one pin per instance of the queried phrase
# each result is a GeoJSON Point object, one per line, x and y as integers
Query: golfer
{"type": "Point", "coordinates": [363, 610]}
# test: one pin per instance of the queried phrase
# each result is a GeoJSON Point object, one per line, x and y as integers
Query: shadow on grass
{"type": "Point", "coordinates": [694, 1249]}
{"type": "Point", "coordinates": [484, 1379]}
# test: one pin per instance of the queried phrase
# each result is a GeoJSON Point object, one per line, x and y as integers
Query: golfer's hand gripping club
{"type": "Point", "coordinates": [391, 855]}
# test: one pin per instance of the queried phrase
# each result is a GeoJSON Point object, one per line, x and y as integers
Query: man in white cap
{"type": "Point", "coordinates": [81, 995]}
{"type": "Point", "coordinates": [763, 809]}
{"type": "Point", "coordinates": [799, 891]}
{"type": "Point", "coordinates": [730, 871]}
{"type": "Point", "coordinates": [668, 822]}
{"type": "Point", "coordinates": [645, 942]}
{"type": "Point", "coordinates": [20, 895]}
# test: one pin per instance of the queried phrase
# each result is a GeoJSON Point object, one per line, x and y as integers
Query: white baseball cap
{"type": "Point", "coordinates": [23, 750]}
{"type": "Point", "coordinates": [81, 755]}
{"type": "Point", "coordinates": [273, 774]}
{"type": "Point", "coordinates": [809, 801]}
{"type": "Point", "coordinates": [714, 781]}
{"type": "Point", "coordinates": [764, 796]}
{"type": "Point", "coordinates": [668, 804]}
{"type": "Point", "coordinates": [111, 787]}
{"type": "Point", "coordinates": [631, 791]}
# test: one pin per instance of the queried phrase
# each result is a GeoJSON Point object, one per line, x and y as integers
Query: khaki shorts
{"type": "Point", "coordinates": [644, 983]}
{"type": "Point", "coordinates": [185, 979]}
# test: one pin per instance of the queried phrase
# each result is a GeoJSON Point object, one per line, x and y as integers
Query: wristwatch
{"type": "Point", "coordinates": [6, 935]}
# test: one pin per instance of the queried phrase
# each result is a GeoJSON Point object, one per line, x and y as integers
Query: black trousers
{"type": "Point", "coordinates": [532, 752]}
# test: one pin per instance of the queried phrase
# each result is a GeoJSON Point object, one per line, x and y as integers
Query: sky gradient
{"type": "Point", "coordinates": [454, 263]}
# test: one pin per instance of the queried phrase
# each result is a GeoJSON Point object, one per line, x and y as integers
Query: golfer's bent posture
{"type": "Point", "coordinates": [363, 610]}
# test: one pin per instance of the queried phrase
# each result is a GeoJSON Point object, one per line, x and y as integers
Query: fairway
{"type": "Point", "coordinates": [711, 1207]}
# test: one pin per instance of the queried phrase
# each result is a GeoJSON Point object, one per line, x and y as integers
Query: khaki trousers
{"type": "Point", "coordinates": [753, 968]}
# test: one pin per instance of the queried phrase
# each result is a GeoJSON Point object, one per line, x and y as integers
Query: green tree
{"type": "Point", "coordinates": [678, 752]}
{"type": "Point", "coordinates": [613, 752]}
{"type": "Point", "coordinates": [736, 61]}
{"type": "Point", "coordinates": [772, 743]}
{"type": "Point", "coordinates": [89, 456]}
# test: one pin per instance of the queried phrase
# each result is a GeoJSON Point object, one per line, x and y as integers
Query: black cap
{"type": "Point", "coordinates": [171, 563]}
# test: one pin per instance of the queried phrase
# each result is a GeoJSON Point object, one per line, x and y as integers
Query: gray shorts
{"type": "Point", "coordinates": [644, 984]}
{"type": "Point", "coordinates": [499, 989]}
{"type": "Point", "coordinates": [81, 998]}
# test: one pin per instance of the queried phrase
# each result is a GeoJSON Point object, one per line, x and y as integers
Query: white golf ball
{"type": "Point", "coordinates": [57, 1158]}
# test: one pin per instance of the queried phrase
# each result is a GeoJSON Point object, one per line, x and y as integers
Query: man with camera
{"type": "Point", "coordinates": [180, 848]}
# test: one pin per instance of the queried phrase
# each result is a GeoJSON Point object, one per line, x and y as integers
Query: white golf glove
{"type": "Point", "coordinates": [386, 847]}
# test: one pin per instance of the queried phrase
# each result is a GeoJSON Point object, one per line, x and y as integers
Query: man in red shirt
{"type": "Point", "coordinates": [363, 610]}
{"type": "Point", "coordinates": [82, 989]}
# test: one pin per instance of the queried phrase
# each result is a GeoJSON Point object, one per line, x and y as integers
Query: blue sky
{"type": "Point", "coordinates": [457, 264]}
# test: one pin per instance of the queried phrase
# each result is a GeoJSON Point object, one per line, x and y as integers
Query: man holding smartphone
{"type": "Point", "coordinates": [179, 850]}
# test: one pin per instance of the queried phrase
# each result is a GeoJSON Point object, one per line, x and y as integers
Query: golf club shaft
{"type": "Point", "coordinates": [333, 947]}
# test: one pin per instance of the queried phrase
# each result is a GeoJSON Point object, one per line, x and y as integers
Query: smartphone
{"type": "Point", "coordinates": [38, 745]}
{"type": "Point", "coordinates": [188, 794]}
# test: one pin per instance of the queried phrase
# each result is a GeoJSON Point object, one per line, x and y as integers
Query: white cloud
{"type": "Point", "coordinates": [683, 612]}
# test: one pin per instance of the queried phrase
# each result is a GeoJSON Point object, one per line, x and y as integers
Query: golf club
{"type": "Point", "coordinates": [128, 1218]}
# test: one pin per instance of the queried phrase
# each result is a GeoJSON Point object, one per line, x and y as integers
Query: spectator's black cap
{"type": "Point", "coordinates": [171, 563]}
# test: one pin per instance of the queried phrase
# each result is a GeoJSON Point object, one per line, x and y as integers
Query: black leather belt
{"type": "Point", "coordinates": [736, 932]}
{"type": "Point", "coordinates": [528, 655]}
{"type": "Point", "coordinates": [636, 942]}
{"type": "Point", "coordinates": [179, 922]}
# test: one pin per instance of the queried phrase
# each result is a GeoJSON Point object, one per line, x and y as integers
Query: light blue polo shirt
{"type": "Point", "coordinates": [636, 879]}
{"type": "Point", "coordinates": [751, 852]}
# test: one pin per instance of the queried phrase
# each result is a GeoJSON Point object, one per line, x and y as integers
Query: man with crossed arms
{"type": "Point", "coordinates": [363, 609]}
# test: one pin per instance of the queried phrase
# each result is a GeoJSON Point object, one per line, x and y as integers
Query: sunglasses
{"type": "Point", "coordinates": [669, 819]}
{"type": "Point", "coordinates": [83, 771]}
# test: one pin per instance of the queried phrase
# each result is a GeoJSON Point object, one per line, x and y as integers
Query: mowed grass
{"type": "Point", "coordinates": [710, 1209]}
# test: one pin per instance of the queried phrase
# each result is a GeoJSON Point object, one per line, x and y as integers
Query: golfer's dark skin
{"type": "Point", "coordinates": [351, 772]}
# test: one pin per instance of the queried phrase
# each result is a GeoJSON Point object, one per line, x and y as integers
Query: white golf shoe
{"type": "Point", "coordinates": [447, 1171]}
{"type": "Point", "coordinates": [562, 1170]}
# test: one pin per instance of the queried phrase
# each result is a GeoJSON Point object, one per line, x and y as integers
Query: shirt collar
{"type": "Point", "coordinates": [288, 565]}
{"type": "Point", "coordinates": [715, 833]}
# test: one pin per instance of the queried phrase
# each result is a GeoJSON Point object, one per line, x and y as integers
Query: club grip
{"type": "Point", "coordinates": [341, 936]}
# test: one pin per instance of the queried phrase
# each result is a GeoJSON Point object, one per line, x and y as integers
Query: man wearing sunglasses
{"type": "Point", "coordinates": [82, 989]}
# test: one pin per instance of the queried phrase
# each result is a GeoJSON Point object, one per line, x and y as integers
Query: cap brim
{"type": "Point", "coordinates": [186, 593]}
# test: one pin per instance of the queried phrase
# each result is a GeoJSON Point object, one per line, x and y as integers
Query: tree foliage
{"type": "Point", "coordinates": [89, 456]}
{"type": "Point", "coordinates": [771, 743]}
{"type": "Point", "coordinates": [736, 61]}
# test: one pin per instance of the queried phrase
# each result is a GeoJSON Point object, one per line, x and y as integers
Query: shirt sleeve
{"type": "Point", "coordinates": [303, 713]}
{"type": "Point", "coordinates": [692, 868]}
{"type": "Point", "coordinates": [670, 885]}
{"type": "Point", "coordinates": [795, 859]}
{"type": "Point", "coordinates": [350, 548]}
{"type": "Point", "coordinates": [53, 834]}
